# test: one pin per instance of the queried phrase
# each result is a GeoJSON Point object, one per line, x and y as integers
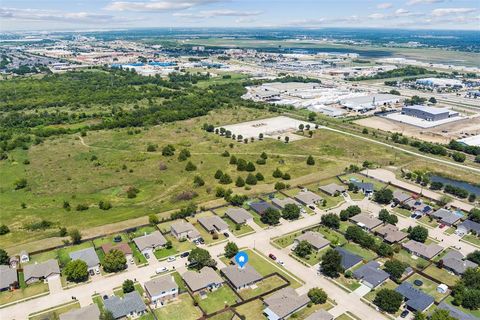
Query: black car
{"type": "Point", "coordinates": [185, 254]}
{"type": "Point", "coordinates": [226, 234]}
{"type": "Point", "coordinates": [404, 313]}
{"type": "Point", "coordinates": [91, 272]}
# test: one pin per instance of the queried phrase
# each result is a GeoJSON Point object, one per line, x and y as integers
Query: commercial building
{"type": "Point", "coordinates": [429, 113]}
{"type": "Point", "coordinates": [370, 102]}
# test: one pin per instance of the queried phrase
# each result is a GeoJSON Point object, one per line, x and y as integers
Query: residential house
{"type": "Point", "coordinates": [416, 300]}
{"type": "Point", "coordinates": [315, 239]}
{"type": "Point", "coordinates": [213, 224]}
{"type": "Point", "coordinates": [147, 244]}
{"type": "Point", "coordinates": [205, 279]}
{"type": "Point", "coordinates": [130, 306]}
{"type": "Point", "coordinates": [88, 255]}
{"type": "Point", "coordinates": [8, 277]}
{"type": "Point", "coordinates": [349, 259]}
{"type": "Point", "coordinates": [184, 230]}
{"type": "Point", "coordinates": [41, 271]}
{"type": "Point", "coordinates": [239, 215]}
{"type": "Point", "coordinates": [456, 263]}
{"type": "Point", "coordinates": [308, 198]}
{"type": "Point", "coordinates": [366, 188]}
{"type": "Point", "coordinates": [400, 197]}
{"type": "Point", "coordinates": [24, 257]}
{"type": "Point", "coordinates": [391, 233]}
{"type": "Point", "coordinates": [418, 206]}
{"type": "Point", "coordinates": [14, 261]}
{"type": "Point", "coordinates": [366, 221]}
{"type": "Point", "coordinates": [371, 275]}
{"type": "Point", "coordinates": [122, 247]}
{"type": "Point", "coordinates": [468, 226]}
{"type": "Point", "coordinates": [426, 251]}
{"type": "Point", "coordinates": [261, 206]}
{"type": "Point", "coordinates": [320, 315]}
{"type": "Point", "coordinates": [161, 290]}
{"type": "Point", "coordinates": [332, 189]}
{"type": "Point", "coordinates": [281, 203]}
{"type": "Point", "coordinates": [455, 312]}
{"type": "Point", "coordinates": [284, 303]}
{"type": "Point", "coordinates": [89, 312]}
{"type": "Point", "coordinates": [241, 278]}
{"type": "Point", "coordinates": [445, 216]}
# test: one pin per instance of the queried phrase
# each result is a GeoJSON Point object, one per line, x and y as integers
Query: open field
{"type": "Point", "coordinates": [218, 299]}
{"type": "Point", "coordinates": [252, 310]}
{"type": "Point", "coordinates": [179, 309]}
{"type": "Point", "coordinates": [61, 169]}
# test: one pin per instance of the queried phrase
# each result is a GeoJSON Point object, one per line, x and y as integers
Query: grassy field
{"type": "Point", "coordinates": [23, 293]}
{"type": "Point", "coordinates": [179, 309]}
{"type": "Point", "coordinates": [54, 313]}
{"type": "Point", "coordinates": [411, 260]}
{"type": "Point", "coordinates": [351, 283]}
{"type": "Point", "coordinates": [310, 309]}
{"type": "Point", "coordinates": [252, 310]}
{"type": "Point", "coordinates": [428, 286]}
{"type": "Point", "coordinates": [389, 284]}
{"type": "Point", "coordinates": [262, 287]}
{"type": "Point", "coordinates": [441, 275]}
{"type": "Point", "coordinates": [218, 299]}
{"type": "Point", "coordinates": [362, 252]}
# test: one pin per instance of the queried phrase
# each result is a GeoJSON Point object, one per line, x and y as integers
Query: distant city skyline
{"type": "Point", "coordinates": [24, 15]}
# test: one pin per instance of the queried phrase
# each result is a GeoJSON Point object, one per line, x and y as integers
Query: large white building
{"type": "Point", "coordinates": [370, 102]}
{"type": "Point", "coordinates": [439, 82]}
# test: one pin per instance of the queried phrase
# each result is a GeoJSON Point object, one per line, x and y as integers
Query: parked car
{"type": "Point", "coordinates": [117, 239]}
{"type": "Point", "coordinates": [91, 272]}
{"type": "Point", "coordinates": [97, 270]}
{"type": "Point", "coordinates": [161, 270]}
{"type": "Point", "coordinates": [147, 256]}
{"type": "Point", "coordinates": [185, 254]}
{"type": "Point", "coordinates": [272, 256]}
{"type": "Point", "coordinates": [226, 234]}
{"type": "Point", "coordinates": [171, 259]}
{"type": "Point", "coordinates": [404, 314]}
{"type": "Point", "coordinates": [280, 262]}
{"type": "Point", "coordinates": [312, 207]}
{"type": "Point", "coordinates": [201, 240]}
{"type": "Point", "coordinates": [442, 226]}
{"type": "Point", "coordinates": [131, 261]}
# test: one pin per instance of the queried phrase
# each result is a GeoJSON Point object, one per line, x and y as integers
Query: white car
{"type": "Point", "coordinates": [131, 261]}
{"type": "Point", "coordinates": [280, 262]}
{"type": "Point", "coordinates": [171, 259]}
{"type": "Point", "coordinates": [161, 270]}
{"type": "Point", "coordinates": [97, 270]}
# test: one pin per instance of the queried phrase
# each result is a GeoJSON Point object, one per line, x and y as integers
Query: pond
{"type": "Point", "coordinates": [471, 188]}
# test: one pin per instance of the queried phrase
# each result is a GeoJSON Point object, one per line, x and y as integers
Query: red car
{"type": "Point", "coordinates": [271, 256]}
{"type": "Point", "coordinates": [442, 226]}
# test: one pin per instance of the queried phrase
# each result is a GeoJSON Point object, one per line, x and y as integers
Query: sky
{"type": "Point", "coordinates": [124, 14]}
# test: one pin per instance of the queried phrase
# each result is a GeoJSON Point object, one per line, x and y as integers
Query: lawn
{"type": "Point", "coordinates": [403, 212]}
{"type": "Point", "coordinates": [142, 231]}
{"type": "Point", "coordinates": [24, 292]}
{"type": "Point", "coordinates": [263, 286]}
{"type": "Point", "coordinates": [429, 221]}
{"type": "Point", "coordinates": [232, 226]}
{"type": "Point", "coordinates": [331, 201]}
{"type": "Point", "coordinates": [227, 315]}
{"type": "Point", "coordinates": [179, 309]}
{"type": "Point", "coordinates": [178, 279]}
{"type": "Point", "coordinates": [308, 310]}
{"type": "Point", "coordinates": [286, 240]}
{"type": "Point", "coordinates": [55, 312]}
{"type": "Point", "coordinates": [441, 275]}
{"type": "Point", "coordinates": [313, 258]}
{"type": "Point", "coordinates": [252, 310]}
{"type": "Point", "coordinates": [97, 299]}
{"type": "Point", "coordinates": [344, 317]}
{"type": "Point", "coordinates": [218, 299]}
{"type": "Point", "coordinates": [109, 239]}
{"type": "Point", "coordinates": [42, 257]}
{"type": "Point", "coordinates": [344, 225]}
{"type": "Point", "coordinates": [209, 238]}
{"type": "Point", "coordinates": [474, 240]}
{"type": "Point", "coordinates": [63, 253]}
{"type": "Point", "coordinates": [177, 247]}
{"type": "Point", "coordinates": [362, 252]}
{"type": "Point", "coordinates": [410, 259]}
{"type": "Point", "coordinates": [257, 218]}
{"type": "Point", "coordinates": [389, 284]}
{"type": "Point", "coordinates": [429, 287]}
{"type": "Point", "coordinates": [138, 257]}
{"type": "Point", "coordinates": [335, 238]}
{"type": "Point", "coordinates": [351, 283]}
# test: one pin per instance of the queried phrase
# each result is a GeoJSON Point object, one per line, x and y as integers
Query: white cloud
{"type": "Point", "coordinates": [47, 15]}
{"type": "Point", "coordinates": [447, 11]}
{"type": "Point", "coordinates": [307, 22]}
{"type": "Point", "coordinates": [384, 5]}
{"type": "Point", "coordinates": [377, 16]}
{"type": "Point", "coordinates": [166, 5]}
{"type": "Point", "coordinates": [217, 13]}
{"type": "Point", "coordinates": [414, 2]}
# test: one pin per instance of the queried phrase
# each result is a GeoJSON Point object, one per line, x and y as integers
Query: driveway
{"type": "Point", "coordinates": [54, 284]}
{"type": "Point", "coordinates": [362, 290]}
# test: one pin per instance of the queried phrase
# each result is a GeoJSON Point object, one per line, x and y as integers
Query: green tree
{"type": "Point", "coordinates": [310, 161]}
{"type": "Point", "coordinates": [233, 160]}
{"type": "Point", "coordinates": [4, 229]}
{"type": "Point", "coordinates": [395, 269]}
{"type": "Point", "coordinates": [76, 271]}
{"type": "Point", "coordinates": [418, 233]}
{"type": "Point", "coordinates": [440, 314]}
{"type": "Point", "coordinates": [420, 316]}
{"type": "Point", "coordinates": [225, 179]}
{"type": "Point", "coordinates": [128, 286]}
{"type": "Point", "coordinates": [264, 156]}
{"type": "Point", "coordinates": [290, 212]}
{"type": "Point", "coordinates": [106, 315]}
{"type": "Point", "coordinates": [240, 182]}
{"type": "Point", "coordinates": [459, 157]}
{"type": "Point", "coordinates": [383, 215]}
{"type": "Point", "coordinates": [231, 249]}
{"type": "Point", "coordinates": [184, 155]}
{"type": "Point", "coordinates": [259, 176]}
{"type": "Point", "coordinates": [153, 219]}
{"type": "Point", "coordinates": [312, 116]}
{"type": "Point", "coordinates": [218, 174]}
{"type": "Point", "coordinates": [190, 166]}
{"type": "Point", "coordinates": [168, 150]}
{"type": "Point", "coordinates": [384, 250]}
{"type": "Point", "coordinates": [114, 261]}
{"type": "Point", "coordinates": [75, 236]}
{"type": "Point", "coordinates": [198, 181]}
{"type": "Point", "coordinates": [303, 249]}
{"type": "Point", "coordinates": [251, 179]}
{"type": "Point", "coordinates": [384, 196]}
{"type": "Point", "coordinates": [388, 300]}
{"type": "Point", "coordinates": [286, 176]}
{"type": "Point", "coordinates": [250, 167]}
{"type": "Point", "coordinates": [271, 216]}
{"type": "Point", "coordinates": [4, 258]}
{"type": "Point", "coordinates": [20, 184]}
{"type": "Point", "coordinates": [331, 220]}
{"type": "Point", "coordinates": [277, 173]}
{"type": "Point", "coordinates": [200, 258]}
{"type": "Point", "coordinates": [317, 295]}
{"type": "Point", "coordinates": [280, 185]}
{"type": "Point", "coordinates": [331, 264]}
{"type": "Point", "coordinates": [474, 256]}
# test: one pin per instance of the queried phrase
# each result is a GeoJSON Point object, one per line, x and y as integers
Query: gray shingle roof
{"type": "Point", "coordinates": [367, 220]}
{"type": "Point", "coordinates": [391, 233]}
{"type": "Point", "coordinates": [320, 315]}
{"type": "Point", "coordinates": [131, 302]}
{"type": "Point", "coordinates": [445, 216]}
{"type": "Point", "coordinates": [156, 286]}
{"type": "Point", "coordinates": [261, 206]}
{"type": "Point", "coordinates": [454, 260]}
{"type": "Point", "coordinates": [240, 277]}
{"type": "Point", "coordinates": [88, 255]}
{"type": "Point", "coordinates": [85, 313]}
{"type": "Point", "coordinates": [286, 301]}
{"type": "Point", "coordinates": [371, 273]}
{"type": "Point", "coordinates": [348, 259]}
{"type": "Point", "coordinates": [425, 250]}
{"type": "Point", "coordinates": [41, 270]}
{"type": "Point", "coordinates": [314, 238]}
{"type": "Point", "coordinates": [213, 223]}
{"type": "Point", "coordinates": [152, 240]}
{"type": "Point", "coordinates": [332, 188]}
{"type": "Point", "coordinates": [365, 186]}
{"type": "Point", "coordinates": [455, 312]}
{"type": "Point", "coordinates": [8, 276]}
{"type": "Point", "coordinates": [182, 227]}
{"type": "Point", "coordinates": [308, 197]}
{"type": "Point", "coordinates": [400, 196]}
{"type": "Point", "coordinates": [280, 203]}
{"type": "Point", "coordinates": [416, 299]}
{"type": "Point", "coordinates": [471, 225]}
{"type": "Point", "coordinates": [202, 279]}
{"type": "Point", "coordinates": [238, 215]}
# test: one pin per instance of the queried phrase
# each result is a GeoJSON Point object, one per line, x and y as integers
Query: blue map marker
{"type": "Point", "coordinates": [241, 258]}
